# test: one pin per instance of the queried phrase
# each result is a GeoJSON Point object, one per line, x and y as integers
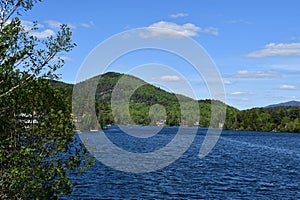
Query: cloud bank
{"type": "Point", "coordinates": [273, 49]}
{"type": "Point", "coordinates": [170, 29]}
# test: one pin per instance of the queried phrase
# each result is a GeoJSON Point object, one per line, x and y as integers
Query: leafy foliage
{"type": "Point", "coordinates": [37, 146]}
{"type": "Point", "coordinates": [37, 142]}
{"type": "Point", "coordinates": [282, 118]}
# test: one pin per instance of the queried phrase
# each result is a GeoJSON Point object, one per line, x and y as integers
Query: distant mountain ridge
{"type": "Point", "coordinates": [289, 103]}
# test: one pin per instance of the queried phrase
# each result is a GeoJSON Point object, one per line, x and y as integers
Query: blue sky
{"type": "Point", "coordinates": [254, 44]}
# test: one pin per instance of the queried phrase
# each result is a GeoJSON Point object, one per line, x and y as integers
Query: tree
{"type": "Point", "coordinates": [37, 146]}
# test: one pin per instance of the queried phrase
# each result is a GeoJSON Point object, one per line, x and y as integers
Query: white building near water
{"type": "Point", "coordinates": [161, 123]}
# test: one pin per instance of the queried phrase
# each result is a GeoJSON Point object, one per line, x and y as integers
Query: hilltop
{"type": "Point", "coordinates": [150, 105]}
{"type": "Point", "coordinates": [289, 103]}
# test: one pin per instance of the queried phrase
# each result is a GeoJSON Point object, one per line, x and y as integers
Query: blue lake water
{"type": "Point", "coordinates": [242, 165]}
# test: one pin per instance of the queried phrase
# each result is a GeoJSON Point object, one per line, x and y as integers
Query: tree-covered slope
{"type": "Point", "coordinates": [279, 119]}
{"type": "Point", "coordinates": [124, 99]}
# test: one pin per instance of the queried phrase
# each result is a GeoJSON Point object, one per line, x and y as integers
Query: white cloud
{"type": "Point", "coordinates": [65, 58]}
{"type": "Point", "coordinates": [212, 30]}
{"type": "Point", "coordinates": [273, 49]}
{"type": "Point", "coordinates": [170, 29]}
{"type": "Point", "coordinates": [170, 78]}
{"type": "Point", "coordinates": [255, 74]}
{"type": "Point", "coordinates": [53, 24]}
{"type": "Point", "coordinates": [57, 24]}
{"type": "Point", "coordinates": [44, 34]}
{"type": "Point", "coordinates": [7, 22]}
{"type": "Point", "coordinates": [88, 24]}
{"type": "Point", "coordinates": [226, 82]}
{"type": "Point", "coordinates": [178, 15]}
{"type": "Point", "coordinates": [173, 29]}
{"type": "Point", "coordinates": [28, 25]}
{"type": "Point", "coordinates": [288, 87]}
{"type": "Point", "coordinates": [241, 93]}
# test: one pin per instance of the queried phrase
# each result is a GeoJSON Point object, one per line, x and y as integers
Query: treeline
{"type": "Point", "coordinates": [137, 102]}
{"type": "Point", "coordinates": [278, 119]}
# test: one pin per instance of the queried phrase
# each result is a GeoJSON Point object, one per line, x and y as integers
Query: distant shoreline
{"type": "Point", "coordinates": [141, 126]}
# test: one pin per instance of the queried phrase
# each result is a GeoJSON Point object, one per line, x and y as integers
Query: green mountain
{"type": "Point", "coordinates": [138, 102]}
{"type": "Point", "coordinates": [123, 99]}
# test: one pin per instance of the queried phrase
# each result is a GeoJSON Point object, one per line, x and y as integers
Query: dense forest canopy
{"type": "Point", "coordinates": [150, 105]}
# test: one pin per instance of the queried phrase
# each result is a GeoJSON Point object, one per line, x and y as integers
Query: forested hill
{"type": "Point", "coordinates": [150, 105]}
{"type": "Point", "coordinates": [289, 103]}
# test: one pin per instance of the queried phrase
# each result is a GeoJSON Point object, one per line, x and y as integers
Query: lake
{"type": "Point", "coordinates": [242, 165]}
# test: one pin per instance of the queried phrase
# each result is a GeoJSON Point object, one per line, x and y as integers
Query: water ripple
{"type": "Point", "coordinates": [243, 165]}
